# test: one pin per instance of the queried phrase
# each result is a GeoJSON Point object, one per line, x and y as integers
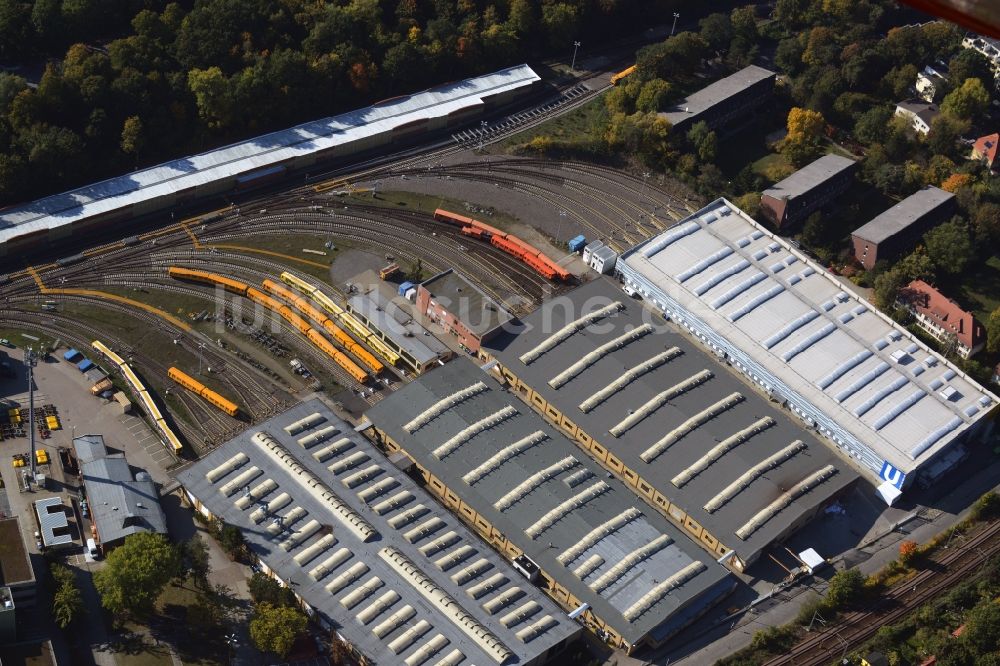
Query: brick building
{"type": "Point", "coordinates": [942, 318]}
{"type": "Point", "coordinates": [724, 102]}
{"type": "Point", "coordinates": [898, 229]}
{"type": "Point", "coordinates": [464, 311]}
{"type": "Point", "coordinates": [788, 202]}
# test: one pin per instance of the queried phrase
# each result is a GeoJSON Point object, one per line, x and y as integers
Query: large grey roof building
{"type": "Point", "coordinates": [176, 182]}
{"type": "Point", "coordinates": [120, 503]}
{"type": "Point", "coordinates": [670, 420]}
{"type": "Point", "coordinates": [865, 383]}
{"type": "Point", "coordinates": [418, 349]}
{"type": "Point", "coordinates": [724, 101]}
{"type": "Point", "coordinates": [897, 229]}
{"type": "Point", "coordinates": [400, 579]}
{"type": "Point", "coordinates": [532, 493]}
{"type": "Point", "coordinates": [789, 201]}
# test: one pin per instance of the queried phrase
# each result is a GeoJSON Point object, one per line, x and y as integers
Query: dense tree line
{"type": "Point", "coordinates": [132, 82]}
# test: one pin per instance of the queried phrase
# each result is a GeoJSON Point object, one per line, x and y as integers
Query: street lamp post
{"type": "Point", "coordinates": [576, 45]}
{"type": "Point", "coordinates": [562, 216]}
{"type": "Point", "coordinates": [676, 16]}
{"type": "Point", "coordinates": [482, 137]}
{"type": "Point", "coordinates": [201, 346]}
{"type": "Point", "coordinates": [645, 177]}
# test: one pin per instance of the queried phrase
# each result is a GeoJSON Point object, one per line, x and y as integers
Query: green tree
{"type": "Point", "coordinates": [749, 203]}
{"type": "Point", "coordinates": [213, 96]}
{"type": "Point", "coordinates": [133, 139]}
{"type": "Point", "coordinates": [561, 21]}
{"type": "Point", "coordinates": [653, 95]}
{"type": "Point", "coordinates": [870, 127]}
{"type": "Point", "coordinates": [717, 31]}
{"type": "Point", "coordinates": [968, 64]}
{"type": "Point", "coordinates": [135, 573]}
{"type": "Point", "coordinates": [993, 332]}
{"type": "Point", "coordinates": [274, 629]}
{"type": "Point", "coordinates": [194, 555]}
{"type": "Point", "coordinates": [67, 600]}
{"type": "Point", "coordinates": [982, 627]}
{"type": "Point", "coordinates": [231, 540]}
{"type": "Point", "coordinates": [887, 286]}
{"type": "Point", "coordinates": [949, 246]}
{"type": "Point", "coordinates": [703, 140]}
{"type": "Point", "coordinates": [846, 588]}
{"type": "Point", "coordinates": [968, 101]}
{"type": "Point", "coordinates": [744, 23]}
{"type": "Point", "coordinates": [266, 590]}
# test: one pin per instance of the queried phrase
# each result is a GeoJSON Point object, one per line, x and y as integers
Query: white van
{"type": "Point", "coordinates": [92, 548]}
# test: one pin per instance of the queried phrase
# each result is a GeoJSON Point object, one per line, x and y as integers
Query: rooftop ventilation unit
{"type": "Point", "coordinates": [597, 534]}
{"type": "Point", "coordinates": [599, 353]}
{"type": "Point", "coordinates": [569, 329]}
{"type": "Point", "coordinates": [503, 455]}
{"type": "Point", "coordinates": [786, 498]}
{"type": "Point", "coordinates": [533, 481]}
{"type": "Point", "coordinates": [474, 429]}
{"type": "Point", "coordinates": [659, 400]}
{"type": "Point", "coordinates": [721, 449]}
{"type": "Point", "coordinates": [748, 477]}
{"type": "Point", "coordinates": [699, 419]}
{"type": "Point", "coordinates": [615, 573]}
{"type": "Point", "coordinates": [628, 377]}
{"type": "Point", "coordinates": [443, 405]}
{"type": "Point", "coordinates": [661, 590]}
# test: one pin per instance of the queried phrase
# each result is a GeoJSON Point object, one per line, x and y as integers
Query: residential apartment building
{"type": "Point", "coordinates": [919, 113]}
{"type": "Point", "coordinates": [943, 319]}
{"type": "Point", "coordinates": [788, 202]}
{"type": "Point", "coordinates": [898, 229]}
{"type": "Point", "coordinates": [724, 102]}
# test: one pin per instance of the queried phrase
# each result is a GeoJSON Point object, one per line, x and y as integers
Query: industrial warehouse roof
{"type": "Point", "coordinates": [52, 520]}
{"type": "Point", "coordinates": [815, 343]}
{"type": "Point", "coordinates": [362, 544]}
{"type": "Point", "coordinates": [906, 212]}
{"type": "Point", "coordinates": [120, 504]}
{"type": "Point", "coordinates": [89, 447]}
{"type": "Point", "coordinates": [805, 179]}
{"type": "Point", "coordinates": [587, 531]}
{"type": "Point", "coordinates": [664, 407]}
{"type": "Point", "coordinates": [260, 152]}
{"type": "Point", "coordinates": [476, 310]}
{"type": "Point", "coordinates": [717, 93]}
{"type": "Point", "coordinates": [397, 325]}
{"type": "Point", "coordinates": [15, 564]}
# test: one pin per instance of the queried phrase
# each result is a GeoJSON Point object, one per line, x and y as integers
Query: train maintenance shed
{"type": "Point", "coordinates": [260, 159]}
{"type": "Point", "coordinates": [398, 577]}
{"type": "Point", "coordinates": [628, 574]}
{"type": "Point", "coordinates": [686, 434]}
{"type": "Point", "coordinates": [867, 384]}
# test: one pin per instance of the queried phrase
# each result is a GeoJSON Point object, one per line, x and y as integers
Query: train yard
{"type": "Point", "coordinates": [122, 293]}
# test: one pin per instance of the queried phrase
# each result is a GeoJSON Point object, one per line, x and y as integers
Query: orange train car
{"type": "Point", "coordinates": [454, 218]}
{"type": "Point", "coordinates": [257, 296]}
{"type": "Point", "coordinates": [199, 389]}
{"type": "Point", "coordinates": [339, 357]}
{"type": "Point", "coordinates": [313, 313]}
{"type": "Point", "coordinates": [192, 275]}
{"type": "Point", "coordinates": [295, 320]}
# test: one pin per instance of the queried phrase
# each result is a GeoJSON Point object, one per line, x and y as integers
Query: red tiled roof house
{"type": "Point", "coordinates": [942, 318]}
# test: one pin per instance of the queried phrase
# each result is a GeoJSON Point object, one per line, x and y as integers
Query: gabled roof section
{"type": "Point", "coordinates": [943, 311]}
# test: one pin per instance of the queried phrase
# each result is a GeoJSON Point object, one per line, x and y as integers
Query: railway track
{"type": "Point", "coordinates": [952, 566]}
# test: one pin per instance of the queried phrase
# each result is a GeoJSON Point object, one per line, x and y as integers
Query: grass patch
{"type": "Point", "coordinates": [980, 288]}
{"type": "Point", "coordinates": [773, 167]}
{"type": "Point", "coordinates": [17, 338]}
{"type": "Point", "coordinates": [575, 128]}
{"type": "Point", "coordinates": [290, 245]}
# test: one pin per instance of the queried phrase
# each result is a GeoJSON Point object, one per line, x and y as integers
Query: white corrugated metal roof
{"type": "Point", "coordinates": [262, 151]}
{"type": "Point", "coordinates": [52, 519]}
{"type": "Point", "coordinates": [821, 340]}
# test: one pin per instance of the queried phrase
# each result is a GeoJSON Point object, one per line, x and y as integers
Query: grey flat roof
{"type": "Point", "coordinates": [507, 493]}
{"type": "Point", "coordinates": [119, 504]}
{"type": "Point", "coordinates": [51, 513]}
{"type": "Point", "coordinates": [258, 153]}
{"type": "Point", "coordinates": [15, 565]}
{"type": "Point", "coordinates": [476, 310]}
{"type": "Point", "coordinates": [398, 325]}
{"type": "Point", "coordinates": [717, 93]}
{"type": "Point", "coordinates": [89, 447]}
{"type": "Point", "coordinates": [868, 383]}
{"type": "Point", "coordinates": [805, 179]}
{"type": "Point", "coordinates": [903, 214]}
{"type": "Point", "coordinates": [293, 478]}
{"type": "Point", "coordinates": [689, 361]}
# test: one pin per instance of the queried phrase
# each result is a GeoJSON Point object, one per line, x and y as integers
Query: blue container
{"type": "Point", "coordinates": [71, 354]}
{"type": "Point", "coordinates": [84, 365]}
{"type": "Point", "coordinates": [576, 244]}
{"type": "Point", "coordinates": [405, 287]}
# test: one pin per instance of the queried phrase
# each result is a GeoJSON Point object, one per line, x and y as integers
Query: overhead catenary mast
{"type": "Point", "coordinates": [29, 361]}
